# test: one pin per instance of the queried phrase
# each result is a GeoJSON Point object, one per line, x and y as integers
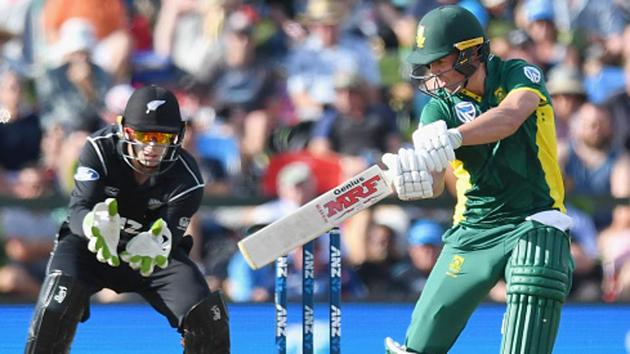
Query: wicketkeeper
{"type": "Point", "coordinates": [135, 192]}
{"type": "Point", "coordinates": [492, 121]}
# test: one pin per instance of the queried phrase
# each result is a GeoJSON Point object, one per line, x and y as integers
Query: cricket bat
{"type": "Point", "coordinates": [316, 217]}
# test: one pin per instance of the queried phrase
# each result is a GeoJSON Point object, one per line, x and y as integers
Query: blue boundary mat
{"type": "Point", "coordinates": [136, 328]}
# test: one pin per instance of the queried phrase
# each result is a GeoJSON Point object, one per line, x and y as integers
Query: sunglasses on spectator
{"type": "Point", "coordinates": [151, 137]}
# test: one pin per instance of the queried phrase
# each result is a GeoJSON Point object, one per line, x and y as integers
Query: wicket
{"type": "Point", "coordinates": [308, 314]}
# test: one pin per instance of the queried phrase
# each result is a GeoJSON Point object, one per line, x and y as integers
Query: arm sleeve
{"type": "Point", "coordinates": [88, 187]}
{"type": "Point", "coordinates": [323, 126]}
{"type": "Point", "coordinates": [524, 76]}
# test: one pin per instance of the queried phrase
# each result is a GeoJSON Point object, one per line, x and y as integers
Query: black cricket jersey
{"type": "Point", "coordinates": [174, 195]}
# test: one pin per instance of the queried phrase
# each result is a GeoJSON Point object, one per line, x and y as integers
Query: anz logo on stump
{"type": "Point", "coordinates": [465, 111]}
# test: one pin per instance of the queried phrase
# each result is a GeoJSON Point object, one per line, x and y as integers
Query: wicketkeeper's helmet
{"type": "Point", "coordinates": [151, 117]}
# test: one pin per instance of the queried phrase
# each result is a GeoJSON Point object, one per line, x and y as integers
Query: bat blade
{"type": "Point", "coordinates": [315, 218]}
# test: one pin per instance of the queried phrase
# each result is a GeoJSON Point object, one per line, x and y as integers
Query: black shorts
{"type": "Point", "coordinates": [172, 291]}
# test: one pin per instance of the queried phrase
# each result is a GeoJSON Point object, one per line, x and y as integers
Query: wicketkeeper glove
{"type": "Point", "coordinates": [409, 175]}
{"type": "Point", "coordinates": [149, 249]}
{"type": "Point", "coordinates": [437, 144]}
{"type": "Point", "coordinates": [102, 228]}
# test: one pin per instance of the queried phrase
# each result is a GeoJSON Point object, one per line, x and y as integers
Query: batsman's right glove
{"type": "Point", "coordinates": [102, 228]}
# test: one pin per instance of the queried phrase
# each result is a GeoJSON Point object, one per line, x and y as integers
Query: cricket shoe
{"type": "Point", "coordinates": [393, 347]}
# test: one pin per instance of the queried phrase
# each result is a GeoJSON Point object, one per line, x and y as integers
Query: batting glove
{"type": "Point", "coordinates": [409, 175]}
{"type": "Point", "coordinates": [436, 144]}
{"type": "Point", "coordinates": [102, 228]}
{"type": "Point", "coordinates": [149, 249]}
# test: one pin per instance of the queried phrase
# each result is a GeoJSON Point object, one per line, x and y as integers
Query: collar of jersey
{"type": "Point", "coordinates": [491, 63]}
{"type": "Point", "coordinates": [470, 94]}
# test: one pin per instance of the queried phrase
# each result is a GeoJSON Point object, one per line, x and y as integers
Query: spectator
{"type": "Point", "coordinates": [425, 241]}
{"type": "Point", "coordinates": [296, 186]}
{"type": "Point", "coordinates": [185, 27]}
{"type": "Point", "coordinates": [215, 144]}
{"type": "Point", "coordinates": [354, 128]}
{"type": "Point", "coordinates": [591, 21]}
{"type": "Point", "coordinates": [587, 275]}
{"type": "Point", "coordinates": [244, 92]}
{"type": "Point", "coordinates": [615, 251]}
{"type": "Point", "coordinates": [325, 51]}
{"type": "Point", "coordinates": [351, 286]}
{"type": "Point", "coordinates": [619, 106]}
{"type": "Point", "coordinates": [112, 43]}
{"type": "Point", "coordinates": [71, 95]}
{"type": "Point", "coordinates": [567, 94]}
{"type": "Point", "coordinates": [519, 46]}
{"type": "Point", "coordinates": [28, 237]}
{"type": "Point", "coordinates": [246, 285]}
{"type": "Point", "coordinates": [602, 76]}
{"type": "Point", "coordinates": [590, 158]}
{"type": "Point", "coordinates": [614, 241]}
{"type": "Point", "coordinates": [115, 101]}
{"type": "Point", "coordinates": [381, 257]}
{"type": "Point", "coordinates": [13, 20]}
{"type": "Point", "coordinates": [217, 246]}
{"type": "Point", "coordinates": [20, 134]}
{"type": "Point", "coordinates": [548, 51]}
{"type": "Point", "coordinates": [71, 98]}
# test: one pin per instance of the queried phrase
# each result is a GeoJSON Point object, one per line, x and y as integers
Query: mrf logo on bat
{"type": "Point", "coordinates": [347, 198]}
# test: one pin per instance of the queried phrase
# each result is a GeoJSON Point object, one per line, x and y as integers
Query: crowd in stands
{"type": "Point", "coordinates": [285, 99]}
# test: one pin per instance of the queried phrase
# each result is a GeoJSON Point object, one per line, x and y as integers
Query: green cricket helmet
{"type": "Point", "coordinates": [443, 31]}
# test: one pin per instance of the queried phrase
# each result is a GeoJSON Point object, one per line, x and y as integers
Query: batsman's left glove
{"type": "Point", "coordinates": [436, 144]}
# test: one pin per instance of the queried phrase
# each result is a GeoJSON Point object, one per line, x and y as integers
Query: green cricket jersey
{"type": "Point", "coordinates": [506, 181]}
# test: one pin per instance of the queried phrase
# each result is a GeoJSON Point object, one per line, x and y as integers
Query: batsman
{"type": "Point", "coordinates": [135, 191]}
{"type": "Point", "coordinates": [492, 122]}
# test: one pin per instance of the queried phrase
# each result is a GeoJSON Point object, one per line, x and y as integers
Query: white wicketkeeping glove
{"type": "Point", "coordinates": [149, 248]}
{"type": "Point", "coordinates": [436, 144]}
{"type": "Point", "coordinates": [409, 175]}
{"type": "Point", "coordinates": [102, 228]}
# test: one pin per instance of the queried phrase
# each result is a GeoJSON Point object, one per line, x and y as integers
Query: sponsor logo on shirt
{"type": "Point", "coordinates": [465, 111]}
{"type": "Point", "coordinates": [111, 191]}
{"type": "Point", "coordinates": [154, 204]}
{"type": "Point", "coordinates": [532, 74]}
{"type": "Point", "coordinates": [5, 115]}
{"type": "Point", "coordinates": [61, 294]}
{"type": "Point", "coordinates": [130, 226]}
{"type": "Point", "coordinates": [215, 313]}
{"type": "Point", "coordinates": [499, 94]}
{"type": "Point", "coordinates": [183, 223]}
{"type": "Point", "coordinates": [86, 174]}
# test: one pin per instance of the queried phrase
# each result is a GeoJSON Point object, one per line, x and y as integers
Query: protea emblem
{"type": "Point", "coordinates": [420, 38]}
